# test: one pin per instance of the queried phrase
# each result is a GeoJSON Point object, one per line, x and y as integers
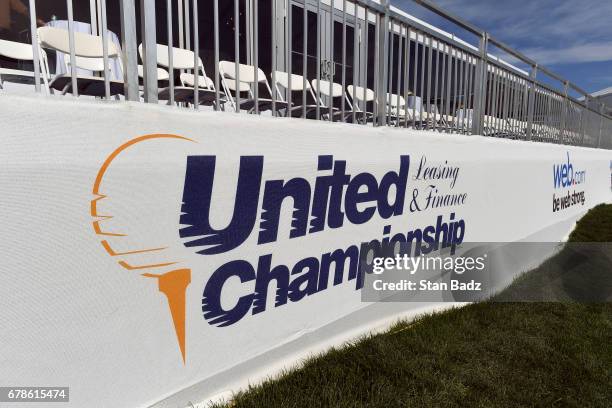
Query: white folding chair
{"type": "Point", "coordinates": [162, 74]}
{"type": "Point", "coordinates": [297, 85]}
{"type": "Point", "coordinates": [246, 74]}
{"type": "Point", "coordinates": [89, 54]}
{"type": "Point", "coordinates": [396, 108]}
{"type": "Point", "coordinates": [360, 96]}
{"type": "Point", "coordinates": [415, 107]}
{"type": "Point", "coordinates": [23, 52]}
{"type": "Point", "coordinates": [183, 59]}
{"type": "Point", "coordinates": [322, 90]}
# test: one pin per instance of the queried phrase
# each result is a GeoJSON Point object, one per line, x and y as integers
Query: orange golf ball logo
{"type": "Point", "coordinates": [172, 281]}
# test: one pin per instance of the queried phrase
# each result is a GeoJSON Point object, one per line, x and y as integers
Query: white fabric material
{"type": "Point", "coordinates": [74, 316]}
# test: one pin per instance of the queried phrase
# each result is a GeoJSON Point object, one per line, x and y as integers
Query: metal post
{"type": "Point", "coordinates": [216, 26]}
{"type": "Point", "coordinates": [342, 101]}
{"type": "Point", "coordinates": [256, 53]}
{"type": "Point", "coordinates": [130, 51]}
{"type": "Point", "coordinates": [585, 111]}
{"type": "Point", "coordinates": [93, 16]}
{"type": "Point", "coordinates": [305, 57]}
{"type": "Point", "coordinates": [530, 100]}
{"type": "Point", "coordinates": [196, 57]}
{"type": "Point", "coordinates": [149, 50]}
{"type": "Point", "coordinates": [288, 67]}
{"type": "Point", "coordinates": [365, 69]}
{"type": "Point", "coordinates": [564, 111]}
{"type": "Point", "coordinates": [35, 52]}
{"type": "Point", "coordinates": [601, 120]}
{"type": "Point", "coordinates": [383, 51]}
{"type": "Point", "coordinates": [104, 30]}
{"type": "Point", "coordinates": [274, 56]}
{"type": "Point", "coordinates": [237, 52]}
{"type": "Point", "coordinates": [480, 86]}
{"type": "Point", "coordinates": [318, 17]}
{"type": "Point", "coordinates": [170, 51]}
{"type": "Point", "coordinates": [73, 62]}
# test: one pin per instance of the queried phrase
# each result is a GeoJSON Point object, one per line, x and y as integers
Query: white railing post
{"type": "Point", "coordinates": [130, 50]}
{"type": "Point", "coordinates": [480, 87]}
{"type": "Point", "coordinates": [383, 63]}
{"type": "Point", "coordinates": [531, 101]}
{"type": "Point", "coordinates": [149, 49]}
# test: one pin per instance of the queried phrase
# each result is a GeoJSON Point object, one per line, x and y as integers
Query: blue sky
{"type": "Point", "coordinates": [573, 38]}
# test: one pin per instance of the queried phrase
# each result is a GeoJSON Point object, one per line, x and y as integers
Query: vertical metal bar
{"type": "Point", "coordinates": [470, 94]}
{"type": "Point", "coordinates": [130, 50]}
{"type": "Point", "coordinates": [456, 68]}
{"type": "Point", "coordinates": [443, 85]}
{"type": "Point", "coordinates": [305, 58]}
{"type": "Point", "coordinates": [237, 51]}
{"type": "Point", "coordinates": [105, 50]}
{"type": "Point", "coordinates": [480, 86]}
{"type": "Point", "coordinates": [288, 67]}
{"type": "Point", "coordinates": [342, 102]}
{"type": "Point", "coordinates": [564, 112]}
{"type": "Point", "coordinates": [73, 64]}
{"type": "Point", "coordinates": [274, 55]}
{"type": "Point", "coordinates": [461, 101]}
{"type": "Point", "coordinates": [181, 25]}
{"type": "Point", "coordinates": [149, 49]}
{"type": "Point", "coordinates": [504, 101]}
{"type": "Point", "coordinates": [256, 52]}
{"type": "Point", "coordinates": [356, 60]}
{"type": "Point", "coordinates": [170, 52]}
{"type": "Point", "coordinates": [601, 121]}
{"type": "Point", "coordinates": [488, 108]}
{"type": "Point", "coordinates": [318, 110]}
{"type": "Point", "coordinates": [435, 85]}
{"type": "Point", "coordinates": [414, 78]}
{"type": "Point", "coordinates": [430, 115]}
{"type": "Point", "coordinates": [365, 68]}
{"type": "Point", "coordinates": [531, 101]}
{"type": "Point", "coordinates": [331, 56]}
{"type": "Point", "coordinates": [466, 89]}
{"type": "Point", "coordinates": [399, 75]}
{"type": "Point", "coordinates": [511, 106]}
{"type": "Point", "coordinates": [548, 116]}
{"type": "Point", "coordinates": [35, 50]}
{"type": "Point", "coordinates": [585, 112]}
{"type": "Point", "coordinates": [344, 49]}
{"type": "Point", "coordinates": [449, 67]}
{"type": "Point", "coordinates": [196, 56]}
{"type": "Point", "coordinates": [387, 96]}
{"type": "Point", "coordinates": [99, 12]}
{"type": "Point", "coordinates": [406, 74]}
{"type": "Point", "coordinates": [496, 97]}
{"type": "Point", "coordinates": [423, 51]}
{"type": "Point", "coordinates": [216, 46]}
{"type": "Point", "coordinates": [93, 17]}
{"type": "Point", "coordinates": [541, 116]}
{"type": "Point", "coordinates": [381, 55]}
{"type": "Point", "coordinates": [187, 26]}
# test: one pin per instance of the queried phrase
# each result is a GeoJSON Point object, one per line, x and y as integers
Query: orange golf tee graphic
{"type": "Point", "coordinates": [172, 283]}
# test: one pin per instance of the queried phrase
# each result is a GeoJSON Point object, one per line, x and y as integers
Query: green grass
{"type": "Point", "coordinates": [489, 354]}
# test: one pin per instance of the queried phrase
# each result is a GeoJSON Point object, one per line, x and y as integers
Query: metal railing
{"type": "Point", "coordinates": [369, 64]}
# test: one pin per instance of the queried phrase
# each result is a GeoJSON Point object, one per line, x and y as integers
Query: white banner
{"type": "Point", "coordinates": [148, 251]}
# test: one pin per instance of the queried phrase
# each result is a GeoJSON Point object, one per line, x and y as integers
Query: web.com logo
{"type": "Point", "coordinates": [564, 174]}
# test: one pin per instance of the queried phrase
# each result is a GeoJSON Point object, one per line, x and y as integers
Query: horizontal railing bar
{"type": "Point", "coordinates": [451, 17]}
